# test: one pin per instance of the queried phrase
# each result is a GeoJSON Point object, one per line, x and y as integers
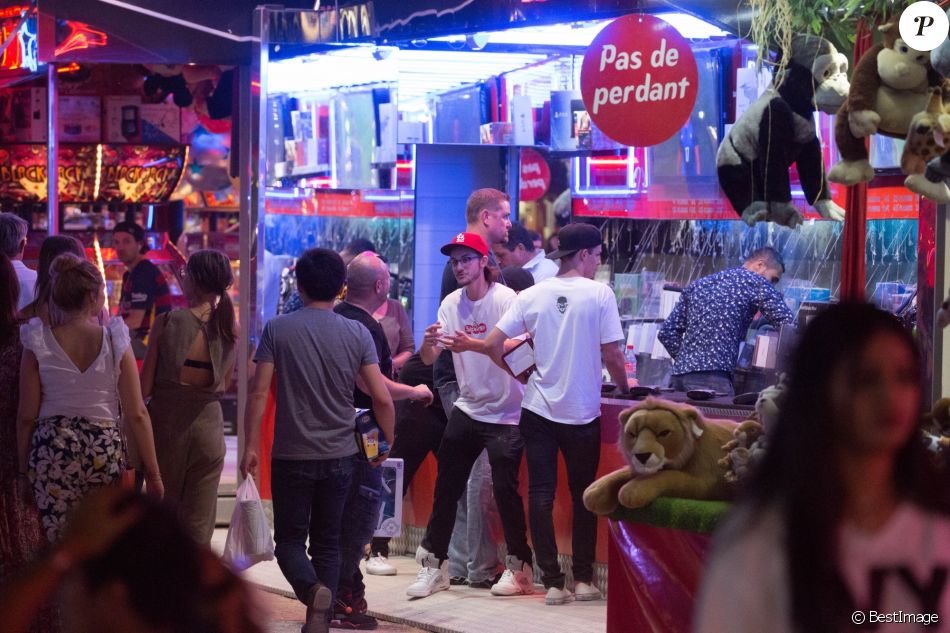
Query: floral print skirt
{"type": "Point", "coordinates": [68, 458]}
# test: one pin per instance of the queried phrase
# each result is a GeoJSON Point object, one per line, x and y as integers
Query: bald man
{"type": "Point", "coordinates": [367, 288]}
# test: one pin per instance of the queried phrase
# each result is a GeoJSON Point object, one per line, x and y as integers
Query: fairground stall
{"type": "Point", "coordinates": [378, 119]}
{"type": "Point", "coordinates": [133, 111]}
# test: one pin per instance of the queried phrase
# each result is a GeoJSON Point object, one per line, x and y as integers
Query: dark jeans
{"type": "Point", "coordinates": [419, 432]}
{"type": "Point", "coordinates": [580, 445]}
{"type": "Point", "coordinates": [462, 443]}
{"type": "Point", "coordinates": [309, 496]}
{"type": "Point", "coordinates": [360, 516]}
{"type": "Point", "coordinates": [719, 381]}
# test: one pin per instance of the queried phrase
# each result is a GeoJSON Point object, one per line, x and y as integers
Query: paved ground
{"type": "Point", "coordinates": [285, 615]}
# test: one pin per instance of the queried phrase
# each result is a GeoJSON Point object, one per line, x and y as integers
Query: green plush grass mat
{"type": "Point", "coordinates": [676, 514]}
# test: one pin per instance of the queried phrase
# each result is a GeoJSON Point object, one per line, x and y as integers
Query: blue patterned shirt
{"type": "Point", "coordinates": [710, 320]}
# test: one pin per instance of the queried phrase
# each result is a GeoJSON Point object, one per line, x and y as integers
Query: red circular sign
{"type": "Point", "coordinates": [535, 175]}
{"type": "Point", "coordinates": [639, 80]}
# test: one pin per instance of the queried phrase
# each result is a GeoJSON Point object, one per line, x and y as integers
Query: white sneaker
{"type": "Point", "coordinates": [378, 565]}
{"type": "Point", "coordinates": [558, 596]}
{"type": "Point", "coordinates": [432, 577]}
{"type": "Point", "coordinates": [584, 591]}
{"type": "Point", "coordinates": [518, 579]}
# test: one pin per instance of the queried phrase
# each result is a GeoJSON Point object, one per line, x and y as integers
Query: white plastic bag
{"type": "Point", "coordinates": [249, 540]}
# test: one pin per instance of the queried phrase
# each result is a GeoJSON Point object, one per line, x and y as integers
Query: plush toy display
{"type": "Point", "coordinates": [671, 451]}
{"type": "Point", "coordinates": [927, 135]}
{"type": "Point", "coordinates": [891, 83]}
{"type": "Point", "coordinates": [745, 449]}
{"type": "Point", "coordinates": [937, 426]}
{"type": "Point", "coordinates": [932, 182]}
{"type": "Point", "coordinates": [777, 130]}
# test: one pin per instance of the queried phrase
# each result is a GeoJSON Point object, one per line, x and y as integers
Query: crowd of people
{"type": "Point", "coordinates": [821, 533]}
{"type": "Point", "coordinates": [79, 417]}
{"type": "Point", "coordinates": [454, 398]}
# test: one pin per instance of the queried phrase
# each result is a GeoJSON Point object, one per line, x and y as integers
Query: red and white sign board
{"type": "Point", "coordinates": [639, 80]}
{"type": "Point", "coordinates": [535, 176]}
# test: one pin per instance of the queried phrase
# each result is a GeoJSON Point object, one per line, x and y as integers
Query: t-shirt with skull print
{"type": "Point", "coordinates": [568, 318]}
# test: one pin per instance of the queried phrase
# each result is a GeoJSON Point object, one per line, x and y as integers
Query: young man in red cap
{"type": "Point", "coordinates": [574, 324]}
{"type": "Point", "coordinates": [485, 417]}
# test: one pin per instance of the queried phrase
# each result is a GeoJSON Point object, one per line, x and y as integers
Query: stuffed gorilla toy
{"type": "Point", "coordinates": [777, 130]}
{"type": "Point", "coordinates": [932, 183]}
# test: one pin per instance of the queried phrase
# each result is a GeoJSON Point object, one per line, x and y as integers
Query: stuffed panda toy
{"type": "Point", "coordinates": [777, 130]}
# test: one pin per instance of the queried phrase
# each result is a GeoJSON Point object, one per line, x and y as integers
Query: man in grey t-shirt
{"type": "Point", "coordinates": [317, 356]}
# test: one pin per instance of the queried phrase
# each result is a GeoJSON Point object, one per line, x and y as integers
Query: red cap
{"type": "Point", "coordinates": [473, 241]}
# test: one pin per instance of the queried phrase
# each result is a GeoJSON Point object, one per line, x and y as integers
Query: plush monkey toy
{"type": "Point", "coordinates": [777, 130]}
{"type": "Point", "coordinates": [890, 84]}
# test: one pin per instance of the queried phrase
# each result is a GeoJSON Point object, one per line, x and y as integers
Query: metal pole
{"type": "Point", "coordinates": [940, 383]}
{"type": "Point", "coordinates": [250, 91]}
{"type": "Point", "coordinates": [52, 151]}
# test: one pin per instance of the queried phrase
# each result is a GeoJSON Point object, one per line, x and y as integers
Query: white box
{"type": "Point", "coordinates": [390, 510]}
{"type": "Point", "coordinates": [410, 132]}
{"type": "Point", "coordinates": [28, 108]}
{"type": "Point", "coordinates": [522, 120]}
{"type": "Point", "coordinates": [80, 119]}
{"type": "Point", "coordinates": [161, 123]}
{"type": "Point", "coordinates": [122, 119]}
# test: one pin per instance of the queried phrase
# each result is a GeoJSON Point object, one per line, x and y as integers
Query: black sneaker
{"type": "Point", "coordinates": [458, 580]}
{"type": "Point", "coordinates": [353, 621]}
{"type": "Point", "coordinates": [488, 583]}
{"type": "Point", "coordinates": [317, 607]}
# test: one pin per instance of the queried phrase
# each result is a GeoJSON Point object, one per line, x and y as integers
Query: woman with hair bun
{"type": "Point", "coordinates": [187, 369]}
{"type": "Point", "coordinates": [53, 246]}
{"type": "Point", "coordinates": [75, 378]}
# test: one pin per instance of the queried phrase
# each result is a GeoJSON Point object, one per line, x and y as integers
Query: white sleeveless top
{"type": "Point", "coordinates": [92, 394]}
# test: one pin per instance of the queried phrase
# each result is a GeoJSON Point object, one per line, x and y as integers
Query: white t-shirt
{"type": "Point", "coordinates": [568, 318]}
{"type": "Point", "coordinates": [541, 267]}
{"type": "Point", "coordinates": [486, 392]}
{"type": "Point", "coordinates": [27, 278]}
{"type": "Point", "coordinates": [745, 589]}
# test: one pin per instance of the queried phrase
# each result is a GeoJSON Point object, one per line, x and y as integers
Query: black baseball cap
{"type": "Point", "coordinates": [133, 229]}
{"type": "Point", "coordinates": [136, 231]}
{"type": "Point", "coordinates": [575, 237]}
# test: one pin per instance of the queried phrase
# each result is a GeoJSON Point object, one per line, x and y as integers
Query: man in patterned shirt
{"type": "Point", "coordinates": [710, 320]}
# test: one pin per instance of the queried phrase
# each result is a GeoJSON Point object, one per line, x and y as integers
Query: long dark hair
{"type": "Point", "coordinates": [800, 478]}
{"type": "Point", "coordinates": [210, 272]}
{"type": "Point", "coordinates": [9, 296]}
{"type": "Point", "coordinates": [53, 246]}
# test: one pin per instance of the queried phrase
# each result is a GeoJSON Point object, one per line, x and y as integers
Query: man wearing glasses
{"type": "Point", "coordinates": [473, 552]}
{"type": "Point", "coordinates": [484, 418]}
{"type": "Point", "coordinates": [710, 320]}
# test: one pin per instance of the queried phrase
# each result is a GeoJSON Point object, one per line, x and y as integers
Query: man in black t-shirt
{"type": "Point", "coordinates": [144, 290]}
{"type": "Point", "coordinates": [367, 279]}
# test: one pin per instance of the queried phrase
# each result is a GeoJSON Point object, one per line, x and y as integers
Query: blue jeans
{"type": "Point", "coordinates": [473, 553]}
{"type": "Point", "coordinates": [309, 496]}
{"type": "Point", "coordinates": [360, 516]}
{"type": "Point", "coordinates": [719, 381]}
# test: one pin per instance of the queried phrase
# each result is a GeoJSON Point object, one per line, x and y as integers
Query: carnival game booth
{"type": "Point", "coordinates": [384, 133]}
{"type": "Point", "coordinates": [385, 139]}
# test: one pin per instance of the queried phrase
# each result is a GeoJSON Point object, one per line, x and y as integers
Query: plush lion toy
{"type": "Point", "coordinates": [890, 84]}
{"type": "Point", "coordinates": [671, 451]}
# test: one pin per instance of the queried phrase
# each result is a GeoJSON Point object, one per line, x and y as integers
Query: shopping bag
{"type": "Point", "coordinates": [249, 540]}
